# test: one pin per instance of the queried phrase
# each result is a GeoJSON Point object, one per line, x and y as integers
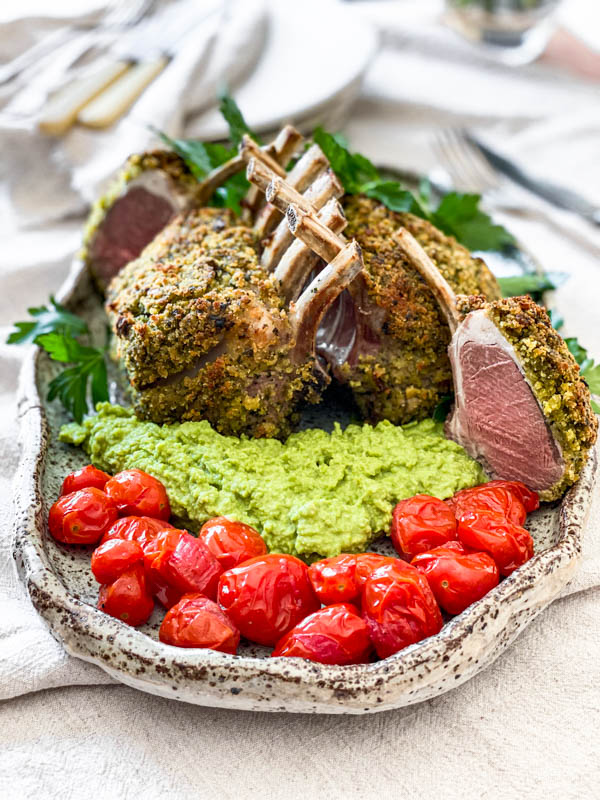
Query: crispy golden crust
{"type": "Point", "coordinates": [554, 377]}
{"type": "Point", "coordinates": [202, 333]}
{"type": "Point", "coordinates": [404, 378]}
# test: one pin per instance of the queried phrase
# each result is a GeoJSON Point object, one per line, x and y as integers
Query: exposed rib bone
{"type": "Point", "coordinates": [312, 163]}
{"type": "Point", "coordinates": [299, 260]}
{"type": "Point", "coordinates": [278, 151]}
{"type": "Point", "coordinates": [301, 219]}
{"type": "Point", "coordinates": [439, 286]}
{"type": "Point", "coordinates": [306, 314]}
{"type": "Point", "coordinates": [318, 193]}
{"type": "Point", "coordinates": [284, 146]}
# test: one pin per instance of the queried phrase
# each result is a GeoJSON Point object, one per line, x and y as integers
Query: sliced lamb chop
{"type": "Point", "coordinates": [149, 191]}
{"type": "Point", "coordinates": [521, 406]}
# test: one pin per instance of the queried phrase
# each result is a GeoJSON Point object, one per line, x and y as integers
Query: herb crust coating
{"type": "Point", "coordinates": [404, 370]}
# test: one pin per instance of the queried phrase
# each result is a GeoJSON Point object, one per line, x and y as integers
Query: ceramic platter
{"type": "Point", "coordinates": [62, 589]}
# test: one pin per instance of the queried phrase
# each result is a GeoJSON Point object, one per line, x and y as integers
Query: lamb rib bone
{"type": "Point", "coordinates": [299, 260]}
{"type": "Point", "coordinates": [326, 186]}
{"type": "Point", "coordinates": [278, 152]}
{"type": "Point", "coordinates": [309, 167]}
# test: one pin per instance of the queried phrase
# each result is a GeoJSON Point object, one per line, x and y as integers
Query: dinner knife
{"type": "Point", "coordinates": [107, 90]}
{"type": "Point", "coordinates": [555, 194]}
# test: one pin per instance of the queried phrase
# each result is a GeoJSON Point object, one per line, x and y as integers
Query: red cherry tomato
{"type": "Point", "coordinates": [81, 517]}
{"type": "Point", "coordinates": [136, 529]}
{"type": "Point", "coordinates": [399, 608]}
{"type": "Point", "coordinates": [86, 478]}
{"type": "Point", "coordinates": [508, 544]}
{"type": "Point", "coordinates": [266, 596]}
{"type": "Point", "coordinates": [367, 563]}
{"type": "Point", "coordinates": [127, 598]}
{"type": "Point", "coordinates": [332, 635]}
{"type": "Point", "coordinates": [182, 562]}
{"type": "Point", "coordinates": [198, 622]}
{"type": "Point", "coordinates": [420, 523]}
{"type": "Point", "coordinates": [113, 557]}
{"type": "Point", "coordinates": [457, 577]}
{"type": "Point", "coordinates": [497, 499]}
{"type": "Point", "coordinates": [231, 542]}
{"type": "Point", "coordinates": [135, 492]}
{"type": "Point", "coordinates": [529, 498]}
{"type": "Point", "coordinates": [166, 595]}
{"type": "Point", "coordinates": [334, 579]}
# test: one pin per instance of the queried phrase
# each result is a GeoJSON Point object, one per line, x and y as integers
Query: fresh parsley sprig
{"type": "Point", "coordinates": [457, 214]}
{"type": "Point", "coordinates": [533, 284]}
{"type": "Point", "coordinates": [55, 329]}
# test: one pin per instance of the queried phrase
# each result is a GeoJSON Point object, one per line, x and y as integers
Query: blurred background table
{"type": "Point", "coordinates": [391, 76]}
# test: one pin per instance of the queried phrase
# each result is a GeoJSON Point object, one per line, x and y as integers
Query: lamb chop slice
{"type": "Point", "coordinates": [149, 191]}
{"type": "Point", "coordinates": [203, 332]}
{"type": "Point", "coordinates": [521, 407]}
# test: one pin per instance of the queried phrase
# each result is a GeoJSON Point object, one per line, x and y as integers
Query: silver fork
{"type": "Point", "coordinates": [125, 13]}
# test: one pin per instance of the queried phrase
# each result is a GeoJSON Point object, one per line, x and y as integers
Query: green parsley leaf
{"type": "Point", "coordinates": [47, 320]}
{"type": "Point", "coordinates": [235, 119]}
{"type": "Point", "coordinates": [71, 385]}
{"type": "Point", "coordinates": [592, 376]}
{"type": "Point", "coordinates": [578, 352]}
{"type": "Point", "coordinates": [532, 283]}
{"type": "Point", "coordinates": [395, 197]}
{"type": "Point", "coordinates": [441, 411]}
{"type": "Point", "coordinates": [352, 169]}
{"type": "Point", "coordinates": [556, 319]}
{"type": "Point", "coordinates": [459, 215]}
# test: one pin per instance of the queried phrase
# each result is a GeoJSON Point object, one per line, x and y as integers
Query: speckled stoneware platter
{"type": "Point", "coordinates": [63, 591]}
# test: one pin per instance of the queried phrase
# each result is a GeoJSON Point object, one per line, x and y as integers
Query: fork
{"type": "Point", "coordinates": [465, 168]}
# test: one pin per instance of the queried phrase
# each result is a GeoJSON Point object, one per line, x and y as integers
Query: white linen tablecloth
{"type": "Point", "coordinates": [525, 727]}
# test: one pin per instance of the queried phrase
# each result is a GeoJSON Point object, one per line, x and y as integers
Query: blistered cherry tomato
{"type": "Point", "coordinates": [112, 558]}
{"type": "Point", "coordinates": [334, 579]}
{"type": "Point", "coordinates": [367, 563]}
{"type": "Point", "coordinates": [508, 544]}
{"type": "Point", "coordinates": [81, 517]}
{"type": "Point", "coordinates": [136, 492]}
{"type": "Point", "coordinates": [231, 542]}
{"type": "Point", "coordinates": [85, 478]}
{"type": "Point", "coordinates": [127, 598]}
{"type": "Point", "coordinates": [196, 621]}
{"type": "Point", "coordinates": [529, 498]}
{"type": "Point", "coordinates": [420, 523]}
{"type": "Point", "coordinates": [399, 608]}
{"type": "Point", "coordinates": [183, 562]}
{"type": "Point", "coordinates": [497, 499]}
{"type": "Point", "coordinates": [136, 529]}
{"type": "Point", "coordinates": [332, 635]}
{"type": "Point", "coordinates": [457, 576]}
{"type": "Point", "coordinates": [266, 596]}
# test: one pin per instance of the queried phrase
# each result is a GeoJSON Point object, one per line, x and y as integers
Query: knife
{"type": "Point", "coordinates": [555, 194]}
{"type": "Point", "coordinates": [109, 87]}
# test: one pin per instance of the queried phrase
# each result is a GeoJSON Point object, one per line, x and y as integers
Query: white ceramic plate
{"type": "Point", "coordinates": [62, 589]}
{"type": "Point", "coordinates": [314, 58]}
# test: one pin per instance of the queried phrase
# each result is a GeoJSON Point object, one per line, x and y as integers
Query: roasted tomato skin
{"type": "Point", "coordinates": [85, 478]}
{"type": "Point", "coordinates": [367, 563]}
{"type": "Point", "coordinates": [135, 492]}
{"type": "Point", "coordinates": [81, 517]}
{"type": "Point", "coordinates": [497, 499]}
{"type": "Point", "coordinates": [112, 558]}
{"type": "Point", "coordinates": [230, 542]}
{"type": "Point", "coordinates": [508, 544]}
{"type": "Point", "coordinates": [334, 579]}
{"type": "Point", "coordinates": [421, 523]}
{"type": "Point", "coordinates": [127, 598]}
{"type": "Point", "coordinates": [182, 562]}
{"type": "Point", "coordinates": [458, 577]}
{"type": "Point", "coordinates": [332, 635]}
{"type": "Point", "coordinates": [136, 529]}
{"type": "Point", "coordinates": [196, 621]}
{"type": "Point", "coordinates": [529, 498]}
{"type": "Point", "coordinates": [266, 596]}
{"type": "Point", "coordinates": [399, 608]}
